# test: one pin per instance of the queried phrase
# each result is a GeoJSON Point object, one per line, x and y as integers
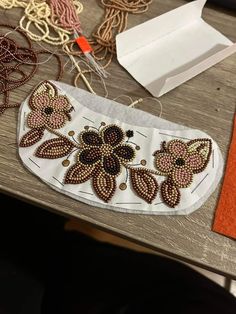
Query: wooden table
{"type": "Point", "coordinates": [206, 102]}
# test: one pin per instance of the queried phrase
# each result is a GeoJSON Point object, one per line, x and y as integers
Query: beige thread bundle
{"type": "Point", "coordinates": [115, 22]}
{"type": "Point", "coordinates": [36, 21]}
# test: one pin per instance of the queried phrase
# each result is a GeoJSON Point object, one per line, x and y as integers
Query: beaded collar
{"type": "Point", "coordinates": [103, 161]}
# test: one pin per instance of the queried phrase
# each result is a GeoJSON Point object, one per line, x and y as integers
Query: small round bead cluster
{"type": "Point", "coordinates": [48, 110]}
{"type": "Point", "coordinates": [106, 150]}
{"type": "Point", "coordinates": [180, 162]}
{"type": "Point", "coordinates": [129, 133]}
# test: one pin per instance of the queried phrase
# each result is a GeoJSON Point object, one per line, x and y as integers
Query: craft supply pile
{"type": "Point", "coordinates": [87, 146]}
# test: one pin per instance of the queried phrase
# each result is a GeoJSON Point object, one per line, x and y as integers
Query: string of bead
{"type": "Point", "coordinates": [64, 14]}
{"type": "Point", "coordinates": [9, 4]}
{"type": "Point", "coordinates": [115, 22]}
{"type": "Point", "coordinates": [18, 64]}
{"type": "Point", "coordinates": [38, 22]}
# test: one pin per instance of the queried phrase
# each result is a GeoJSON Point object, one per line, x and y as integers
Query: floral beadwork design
{"type": "Point", "coordinates": [104, 153]}
{"type": "Point", "coordinates": [105, 149]}
{"type": "Point", "coordinates": [48, 108]}
{"type": "Point", "coordinates": [48, 111]}
{"type": "Point", "coordinates": [179, 161]}
{"type": "Point", "coordinates": [101, 158]}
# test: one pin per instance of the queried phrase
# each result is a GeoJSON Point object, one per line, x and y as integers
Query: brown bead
{"type": "Point", "coordinates": [143, 162]}
{"type": "Point", "coordinates": [71, 133]}
{"type": "Point", "coordinates": [66, 163]}
{"type": "Point", "coordinates": [123, 186]}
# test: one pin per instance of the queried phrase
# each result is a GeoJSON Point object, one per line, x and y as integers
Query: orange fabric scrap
{"type": "Point", "coordinates": [225, 218]}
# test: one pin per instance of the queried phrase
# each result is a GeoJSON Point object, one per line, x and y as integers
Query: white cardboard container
{"type": "Point", "coordinates": [170, 49]}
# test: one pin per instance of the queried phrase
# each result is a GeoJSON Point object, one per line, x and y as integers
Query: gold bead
{"type": "Point", "coordinates": [143, 162]}
{"type": "Point", "coordinates": [71, 133]}
{"type": "Point", "coordinates": [123, 186]}
{"type": "Point", "coordinates": [66, 163]}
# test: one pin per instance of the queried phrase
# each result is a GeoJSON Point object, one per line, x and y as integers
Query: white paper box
{"type": "Point", "coordinates": [170, 49]}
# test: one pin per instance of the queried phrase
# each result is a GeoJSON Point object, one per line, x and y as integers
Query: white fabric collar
{"type": "Point", "coordinates": [149, 132]}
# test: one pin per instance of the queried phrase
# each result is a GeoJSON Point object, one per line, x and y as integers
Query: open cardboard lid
{"type": "Point", "coordinates": [170, 49]}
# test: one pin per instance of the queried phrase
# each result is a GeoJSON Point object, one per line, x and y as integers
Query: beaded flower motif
{"type": "Point", "coordinates": [103, 154]}
{"type": "Point", "coordinates": [179, 161]}
{"type": "Point", "coordinates": [49, 110]}
{"type": "Point", "coordinates": [105, 149]}
{"type": "Point", "coordinates": [101, 157]}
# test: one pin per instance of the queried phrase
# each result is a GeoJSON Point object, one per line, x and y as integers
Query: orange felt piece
{"type": "Point", "coordinates": [225, 218]}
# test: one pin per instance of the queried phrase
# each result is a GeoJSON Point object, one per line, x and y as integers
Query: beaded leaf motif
{"type": "Point", "coordinates": [31, 137]}
{"type": "Point", "coordinates": [54, 148]}
{"type": "Point", "coordinates": [48, 111]}
{"type": "Point", "coordinates": [179, 161]}
{"type": "Point", "coordinates": [144, 184]}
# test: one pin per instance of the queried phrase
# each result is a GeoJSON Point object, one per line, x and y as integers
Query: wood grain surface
{"type": "Point", "coordinates": [206, 102]}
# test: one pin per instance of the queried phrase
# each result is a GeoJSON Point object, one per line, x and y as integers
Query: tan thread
{"type": "Point", "coordinates": [133, 103]}
{"type": "Point", "coordinates": [115, 22]}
